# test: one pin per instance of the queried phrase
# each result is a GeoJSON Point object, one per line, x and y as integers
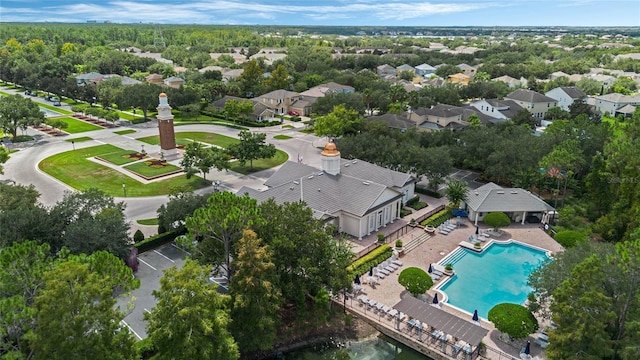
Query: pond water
{"type": "Point", "coordinates": [380, 348]}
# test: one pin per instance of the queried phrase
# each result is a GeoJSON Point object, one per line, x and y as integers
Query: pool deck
{"type": "Point", "coordinates": [389, 291]}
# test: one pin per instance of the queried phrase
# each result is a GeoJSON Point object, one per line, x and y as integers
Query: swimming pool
{"type": "Point", "coordinates": [499, 274]}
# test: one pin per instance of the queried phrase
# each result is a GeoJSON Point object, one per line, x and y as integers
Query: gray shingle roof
{"type": "Point", "coordinates": [358, 186]}
{"type": "Point", "coordinates": [528, 96]}
{"type": "Point", "coordinates": [573, 92]}
{"type": "Point", "coordinates": [491, 197]}
{"type": "Point", "coordinates": [394, 121]}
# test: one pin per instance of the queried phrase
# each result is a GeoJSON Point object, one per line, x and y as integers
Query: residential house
{"type": "Point", "coordinates": [605, 80]}
{"type": "Point", "coordinates": [237, 57]}
{"type": "Point", "coordinates": [386, 70]}
{"type": "Point", "coordinates": [88, 78]}
{"type": "Point", "coordinates": [154, 79]}
{"type": "Point", "coordinates": [174, 82]}
{"type": "Point", "coordinates": [358, 197]}
{"type": "Point", "coordinates": [459, 78]}
{"type": "Point", "coordinates": [566, 95]}
{"type": "Point", "coordinates": [283, 101]}
{"type": "Point", "coordinates": [438, 117]}
{"type": "Point", "coordinates": [535, 103]}
{"type": "Point", "coordinates": [405, 67]}
{"type": "Point", "coordinates": [500, 110]}
{"type": "Point", "coordinates": [231, 74]}
{"type": "Point", "coordinates": [425, 70]}
{"type": "Point", "coordinates": [437, 82]}
{"type": "Point", "coordinates": [611, 103]}
{"type": "Point", "coordinates": [270, 55]}
{"type": "Point", "coordinates": [327, 88]}
{"type": "Point", "coordinates": [519, 204]}
{"type": "Point", "coordinates": [511, 82]}
{"type": "Point", "coordinates": [260, 111]}
{"type": "Point", "coordinates": [468, 70]}
{"type": "Point", "coordinates": [393, 121]}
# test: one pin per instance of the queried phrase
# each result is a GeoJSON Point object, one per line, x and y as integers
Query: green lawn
{"type": "Point", "coordinates": [124, 132]}
{"type": "Point", "coordinates": [153, 221]}
{"type": "Point", "coordinates": [79, 139]}
{"type": "Point", "coordinates": [144, 169]}
{"type": "Point", "coordinates": [56, 109]}
{"type": "Point", "coordinates": [73, 168]}
{"type": "Point", "coordinates": [77, 126]}
{"type": "Point", "coordinates": [282, 137]}
{"type": "Point", "coordinates": [119, 157]}
{"type": "Point", "coordinates": [183, 138]}
{"type": "Point", "coordinates": [260, 164]}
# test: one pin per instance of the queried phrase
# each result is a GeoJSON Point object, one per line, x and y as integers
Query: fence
{"type": "Point", "coordinates": [429, 213]}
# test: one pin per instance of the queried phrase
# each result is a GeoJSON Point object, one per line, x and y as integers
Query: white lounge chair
{"type": "Point", "coordinates": [363, 300]}
{"type": "Point", "coordinates": [392, 313]}
{"type": "Point", "coordinates": [383, 270]}
{"type": "Point", "coordinates": [392, 265]}
{"type": "Point", "coordinates": [543, 344]}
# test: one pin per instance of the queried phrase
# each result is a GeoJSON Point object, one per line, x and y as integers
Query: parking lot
{"type": "Point", "coordinates": [151, 268]}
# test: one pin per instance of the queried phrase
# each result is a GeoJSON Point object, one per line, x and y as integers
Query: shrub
{"type": "Point", "coordinates": [428, 192]}
{"type": "Point", "coordinates": [438, 218]}
{"type": "Point", "coordinates": [404, 212]}
{"type": "Point", "coordinates": [399, 243]}
{"type": "Point", "coordinates": [448, 267]}
{"type": "Point", "coordinates": [496, 219]}
{"type": "Point", "coordinates": [513, 319]}
{"type": "Point", "coordinates": [370, 260]}
{"type": "Point", "coordinates": [415, 280]}
{"type": "Point", "coordinates": [154, 241]}
{"type": "Point", "coordinates": [138, 236]}
{"type": "Point", "coordinates": [380, 237]}
{"type": "Point", "coordinates": [413, 200]}
{"type": "Point", "coordinates": [568, 238]}
{"type": "Point", "coordinates": [146, 348]}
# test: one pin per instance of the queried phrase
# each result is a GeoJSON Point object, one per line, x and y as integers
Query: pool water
{"type": "Point", "coordinates": [497, 275]}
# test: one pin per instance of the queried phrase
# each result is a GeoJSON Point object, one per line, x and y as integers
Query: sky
{"type": "Point", "coordinates": [586, 13]}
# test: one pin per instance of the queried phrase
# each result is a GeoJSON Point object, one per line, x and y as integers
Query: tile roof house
{"type": "Point", "coordinates": [154, 79]}
{"type": "Point", "coordinates": [566, 95]}
{"type": "Point", "coordinates": [88, 78]}
{"type": "Point", "coordinates": [511, 82]}
{"type": "Point", "coordinates": [468, 70]}
{"type": "Point", "coordinates": [519, 204]}
{"type": "Point", "coordinates": [327, 88]}
{"type": "Point", "coordinates": [357, 197]}
{"type": "Point", "coordinates": [535, 103]}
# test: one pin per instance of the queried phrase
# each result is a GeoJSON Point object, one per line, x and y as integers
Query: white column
{"type": "Point", "coordinates": [524, 215]}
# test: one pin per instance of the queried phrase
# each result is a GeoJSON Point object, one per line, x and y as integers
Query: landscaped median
{"type": "Point", "coordinates": [75, 169]}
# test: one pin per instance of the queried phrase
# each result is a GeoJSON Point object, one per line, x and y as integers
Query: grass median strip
{"type": "Point", "coordinates": [75, 126]}
{"type": "Point", "coordinates": [152, 168]}
{"type": "Point", "coordinates": [183, 138]}
{"type": "Point", "coordinates": [74, 169]}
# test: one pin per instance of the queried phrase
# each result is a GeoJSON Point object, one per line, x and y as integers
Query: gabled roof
{"type": "Point", "coordinates": [528, 96]}
{"type": "Point", "coordinates": [627, 109]}
{"type": "Point", "coordinates": [441, 110]}
{"type": "Point", "coordinates": [492, 197]}
{"type": "Point", "coordinates": [394, 121]}
{"type": "Point", "coordinates": [354, 190]}
{"type": "Point", "coordinates": [572, 92]}
{"type": "Point", "coordinates": [385, 67]}
{"type": "Point", "coordinates": [280, 94]}
{"type": "Point", "coordinates": [88, 76]}
{"type": "Point", "coordinates": [405, 67]}
{"type": "Point", "coordinates": [425, 67]}
{"type": "Point", "coordinates": [506, 79]}
{"type": "Point", "coordinates": [173, 79]}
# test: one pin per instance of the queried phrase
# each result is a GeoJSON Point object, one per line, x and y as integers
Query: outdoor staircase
{"type": "Point", "coordinates": [417, 241]}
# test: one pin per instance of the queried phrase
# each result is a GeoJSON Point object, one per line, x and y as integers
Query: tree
{"type": "Point", "coordinates": [143, 96]}
{"type": "Point", "coordinates": [76, 314]}
{"type": "Point", "coordinates": [589, 86]}
{"type": "Point", "coordinates": [89, 221]}
{"type": "Point", "coordinates": [415, 280]}
{"type": "Point", "coordinates": [182, 204]}
{"type": "Point", "coordinates": [190, 319]}
{"type": "Point", "coordinates": [496, 219]}
{"type": "Point", "coordinates": [18, 112]}
{"type": "Point", "coordinates": [256, 299]}
{"type": "Point", "coordinates": [569, 238]}
{"type": "Point", "coordinates": [22, 216]}
{"type": "Point", "coordinates": [556, 113]}
{"type": "Point", "coordinates": [582, 311]}
{"type": "Point", "coordinates": [523, 117]}
{"type": "Point", "coordinates": [219, 225]}
{"type": "Point", "coordinates": [456, 192]}
{"type": "Point", "coordinates": [513, 319]}
{"type": "Point", "coordinates": [279, 79]}
{"type": "Point", "coordinates": [337, 122]}
{"type": "Point", "coordinates": [252, 146]}
{"type": "Point", "coordinates": [57, 124]}
{"type": "Point", "coordinates": [197, 157]}
{"type": "Point", "coordinates": [138, 236]}
{"type": "Point", "coordinates": [190, 111]}
{"type": "Point", "coordinates": [251, 79]}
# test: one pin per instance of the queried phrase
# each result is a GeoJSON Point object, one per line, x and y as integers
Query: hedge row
{"type": "Point", "coordinates": [370, 260]}
{"type": "Point", "coordinates": [153, 242]}
{"type": "Point", "coordinates": [428, 192]}
{"type": "Point", "coordinates": [438, 218]}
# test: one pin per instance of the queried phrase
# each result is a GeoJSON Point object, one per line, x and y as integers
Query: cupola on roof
{"type": "Point", "coordinates": [330, 150]}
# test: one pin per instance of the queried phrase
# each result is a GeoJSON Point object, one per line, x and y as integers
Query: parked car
{"type": "Point", "coordinates": [293, 113]}
{"type": "Point", "coordinates": [56, 102]}
{"type": "Point", "coordinates": [27, 92]}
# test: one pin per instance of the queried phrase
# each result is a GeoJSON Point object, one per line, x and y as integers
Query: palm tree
{"type": "Point", "coordinates": [456, 192]}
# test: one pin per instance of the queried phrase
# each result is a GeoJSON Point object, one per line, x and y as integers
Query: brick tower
{"type": "Point", "coordinates": [165, 124]}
